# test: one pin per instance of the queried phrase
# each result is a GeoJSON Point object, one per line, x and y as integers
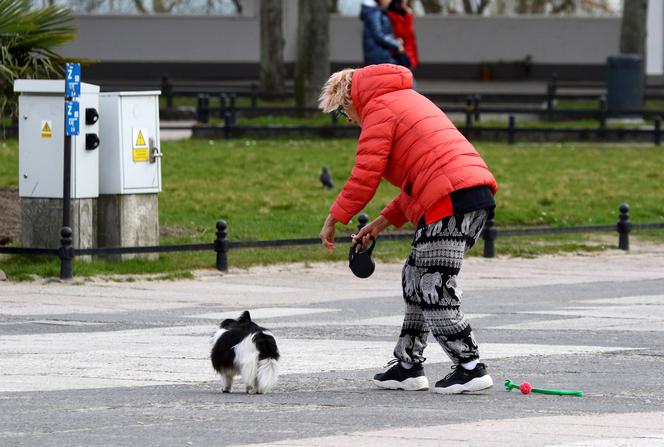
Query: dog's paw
{"type": "Point", "coordinates": [251, 390]}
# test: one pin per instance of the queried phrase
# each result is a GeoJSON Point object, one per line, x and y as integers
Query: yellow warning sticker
{"type": "Point", "coordinates": [141, 154]}
{"type": "Point", "coordinates": [141, 150]}
{"type": "Point", "coordinates": [46, 129]}
{"type": "Point", "coordinates": [140, 141]}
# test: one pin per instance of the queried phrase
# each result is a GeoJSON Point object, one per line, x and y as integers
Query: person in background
{"type": "Point", "coordinates": [401, 16]}
{"type": "Point", "coordinates": [378, 42]}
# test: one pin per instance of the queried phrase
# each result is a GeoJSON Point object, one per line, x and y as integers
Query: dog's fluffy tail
{"type": "Point", "coordinates": [268, 371]}
{"type": "Point", "coordinates": [268, 355]}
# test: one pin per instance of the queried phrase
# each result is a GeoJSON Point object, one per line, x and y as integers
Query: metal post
{"type": "Point", "coordinates": [362, 220]}
{"type": "Point", "coordinates": [469, 112]}
{"type": "Point", "coordinates": [232, 97]}
{"type": "Point", "coordinates": [624, 227]}
{"type": "Point", "coordinates": [489, 235]}
{"type": "Point", "coordinates": [658, 130]}
{"type": "Point", "coordinates": [227, 125]}
{"type": "Point", "coordinates": [167, 91]}
{"type": "Point", "coordinates": [203, 108]}
{"type": "Point", "coordinates": [551, 94]}
{"type": "Point", "coordinates": [511, 130]}
{"type": "Point", "coordinates": [603, 108]}
{"type": "Point", "coordinates": [476, 106]}
{"type": "Point", "coordinates": [221, 246]}
{"type": "Point", "coordinates": [254, 95]}
{"type": "Point", "coordinates": [222, 105]}
{"type": "Point", "coordinates": [66, 253]}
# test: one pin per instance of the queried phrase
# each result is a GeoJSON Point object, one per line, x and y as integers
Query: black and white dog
{"type": "Point", "coordinates": [241, 346]}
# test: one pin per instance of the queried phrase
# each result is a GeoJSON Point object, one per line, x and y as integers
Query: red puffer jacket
{"type": "Point", "coordinates": [410, 142]}
{"type": "Point", "coordinates": [402, 27]}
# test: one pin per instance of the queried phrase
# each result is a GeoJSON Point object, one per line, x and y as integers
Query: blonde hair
{"type": "Point", "coordinates": [336, 91]}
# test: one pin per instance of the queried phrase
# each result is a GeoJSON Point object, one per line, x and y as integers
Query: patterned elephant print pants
{"type": "Point", "coordinates": [431, 292]}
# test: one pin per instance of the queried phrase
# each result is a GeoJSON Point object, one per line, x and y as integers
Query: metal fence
{"type": "Point", "coordinates": [222, 245]}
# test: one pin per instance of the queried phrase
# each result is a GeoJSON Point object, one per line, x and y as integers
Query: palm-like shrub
{"type": "Point", "coordinates": [28, 39]}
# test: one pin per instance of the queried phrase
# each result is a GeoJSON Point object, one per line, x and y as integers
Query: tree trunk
{"type": "Point", "coordinates": [312, 67]}
{"type": "Point", "coordinates": [272, 71]}
{"type": "Point", "coordinates": [432, 6]}
{"type": "Point", "coordinates": [334, 6]}
{"type": "Point", "coordinates": [633, 29]}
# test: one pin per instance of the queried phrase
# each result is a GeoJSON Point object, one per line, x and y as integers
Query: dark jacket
{"type": "Point", "coordinates": [377, 37]}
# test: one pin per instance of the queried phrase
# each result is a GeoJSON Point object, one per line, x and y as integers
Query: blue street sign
{"type": "Point", "coordinates": [72, 80]}
{"type": "Point", "coordinates": [72, 115]}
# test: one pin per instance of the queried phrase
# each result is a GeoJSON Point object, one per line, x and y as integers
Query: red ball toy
{"type": "Point", "coordinates": [525, 388]}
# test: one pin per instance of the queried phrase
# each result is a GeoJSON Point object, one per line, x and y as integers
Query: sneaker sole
{"type": "Point", "coordinates": [477, 384]}
{"type": "Point", "coordinates": [411, 384]}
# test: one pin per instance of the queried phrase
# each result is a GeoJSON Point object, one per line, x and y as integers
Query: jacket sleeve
{"type": "Point", "coordinates": [376, 30]}
{"type": "Point", "coordinates": [394, 213]}
{"type": "Point", "coordinates": [373, 151]}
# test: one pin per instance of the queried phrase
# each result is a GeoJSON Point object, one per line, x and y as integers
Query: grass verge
{"type": "Point", "coordinates": [269, 189]}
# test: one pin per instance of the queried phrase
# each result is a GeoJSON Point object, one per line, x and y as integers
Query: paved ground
{"type": "Point", "coordinates": [126, 363]}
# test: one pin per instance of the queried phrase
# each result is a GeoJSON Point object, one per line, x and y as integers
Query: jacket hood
{"type": "Point", "coordinates": [366, 10]}
{"type": "Point", "coordinates": [376, 80]}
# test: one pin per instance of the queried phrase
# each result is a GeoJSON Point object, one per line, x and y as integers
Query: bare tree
{"type": "Point", "coordinates": [312, 66]}
{"type": "Point", "coordinates": [432, 6]}
{"type": "Point", "coordinates": [238, 7]}
{"type": "Point", "coordinates": [272, 71]}
{"type": "Point", "coordinates": [475, 7]}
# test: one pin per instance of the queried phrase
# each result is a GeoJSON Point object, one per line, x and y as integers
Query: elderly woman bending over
{"type": "Point", "coordinates": [446, 192]}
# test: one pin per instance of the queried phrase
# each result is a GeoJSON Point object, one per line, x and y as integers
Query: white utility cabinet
{"type": "Point", "coordinates": [41, 140]}
{"type": "Point", "coordinates": [130, 158]}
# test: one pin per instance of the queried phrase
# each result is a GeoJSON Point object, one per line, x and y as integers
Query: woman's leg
{"type": "Point", "coordinates": [406, 371]}
{"type": "Point", "coordinates": [439, 250]}
{"type": "Point", "coordinates": [414, 330]}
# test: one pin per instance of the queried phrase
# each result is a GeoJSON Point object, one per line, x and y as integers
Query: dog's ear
{"type": "Point", "coordinates": [228, 323]}
{"type": "Point", "coordinates": [244, 318]}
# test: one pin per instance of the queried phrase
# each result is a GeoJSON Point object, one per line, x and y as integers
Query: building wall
{"type": "Point", "coordinates": [449, 46]}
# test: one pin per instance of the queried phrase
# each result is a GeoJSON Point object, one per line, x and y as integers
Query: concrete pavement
{"type": "Point", "coordinates": [126, 363]}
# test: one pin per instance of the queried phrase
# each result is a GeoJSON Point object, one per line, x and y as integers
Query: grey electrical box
{"type": "Point", "coordinates": [41, 140]}
{"type": "Point", "coordinates": [129, 151]}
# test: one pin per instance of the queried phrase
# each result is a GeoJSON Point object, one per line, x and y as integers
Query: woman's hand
{"type": "Point", "coordinates": [370, 231]}
{"type": "Point", "coordinates": [327, 233]}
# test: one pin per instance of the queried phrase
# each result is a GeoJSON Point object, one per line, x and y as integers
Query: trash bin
{"type": "Point", "coordinates": [624, 83]}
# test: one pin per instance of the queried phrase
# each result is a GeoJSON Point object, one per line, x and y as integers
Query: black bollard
{"type": "Point", "coordinates": [489, 235]}
{"type": "Point", "coordinates": [221, 246]}
{"type": "Point", "coordinates": [658, 130]}
{"type": "Point", "coordinates": [511, 130]}
{"type": "Point", "coordinates": [66, 253]}
{"type": "Point", "coordinates": [362, 220]}
{"type": "Point", "coordinates": [469, 112]}
{"type": "Point", "coordinates": [624, 227]}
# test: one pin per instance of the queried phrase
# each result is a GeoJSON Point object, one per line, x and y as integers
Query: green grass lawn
{"type": "Point", "coordinates": [269, 189]}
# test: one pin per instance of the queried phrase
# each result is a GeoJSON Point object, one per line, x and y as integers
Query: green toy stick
{"type": "Point", "coordinates": [526, 388]}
